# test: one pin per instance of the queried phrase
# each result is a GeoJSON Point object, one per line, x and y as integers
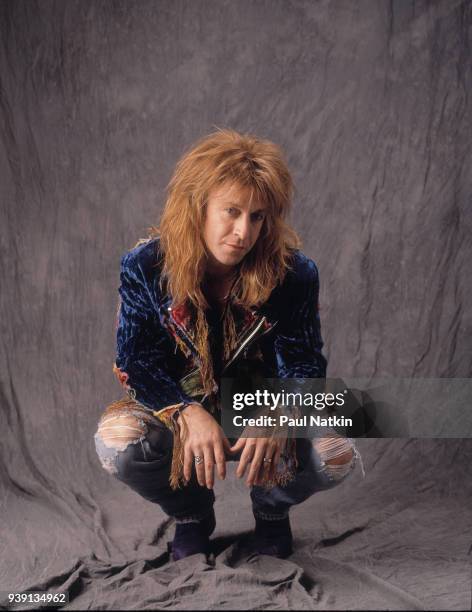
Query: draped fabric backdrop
{"type": "Point", "coordinates": [371, 102]}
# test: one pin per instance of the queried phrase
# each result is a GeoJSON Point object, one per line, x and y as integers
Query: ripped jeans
{"type": "Point", "coordinates": [136, 448]}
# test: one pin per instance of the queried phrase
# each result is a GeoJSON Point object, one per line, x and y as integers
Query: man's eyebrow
{"type": "Point", "coordinates": [238, 206]}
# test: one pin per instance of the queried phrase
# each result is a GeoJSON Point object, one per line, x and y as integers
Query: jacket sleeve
{"type": "Point", "coordinates": [144, 348]}
{"type": "Point", "coordinates": [298, 343]}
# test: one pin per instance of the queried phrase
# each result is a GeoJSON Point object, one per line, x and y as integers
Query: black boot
{"type": "Point", "coordinates": [192, 538]}
{"type": "Point", "coordinates": [273, 537]}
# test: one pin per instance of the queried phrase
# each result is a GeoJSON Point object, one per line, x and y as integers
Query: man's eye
{"type": "Point", "coordinates": [231, 210]}
{"type": "Point", "coordinates": [258, 216]}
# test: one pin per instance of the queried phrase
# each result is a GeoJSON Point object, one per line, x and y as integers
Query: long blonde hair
{"type": "Point", "coordinates": [225, 156]}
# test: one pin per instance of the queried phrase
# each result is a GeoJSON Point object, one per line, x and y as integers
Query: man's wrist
{"type": "Point", "coordinates": [188, 408]}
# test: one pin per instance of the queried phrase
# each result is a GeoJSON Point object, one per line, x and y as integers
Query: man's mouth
{"type": "Point", "coordinates": [236, 247]}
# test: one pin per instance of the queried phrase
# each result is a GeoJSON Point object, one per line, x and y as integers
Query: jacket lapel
{"type": "Point", "coordinates": [251, 324]}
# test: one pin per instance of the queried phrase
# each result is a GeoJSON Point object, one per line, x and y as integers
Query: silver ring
{"type": "Point", "coordinates": [267, 460]}
{"type": "Point", "coordinates": [198, 459]}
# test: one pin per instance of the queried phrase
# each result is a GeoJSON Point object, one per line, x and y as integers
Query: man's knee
{"type": "Point", "coordinates": [337, 454]}
{"type": "Point", "coordinates": [115, 433]}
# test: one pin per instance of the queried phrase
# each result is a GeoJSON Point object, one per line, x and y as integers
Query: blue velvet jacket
{"type": "Point", "coordinates": [157, 362]}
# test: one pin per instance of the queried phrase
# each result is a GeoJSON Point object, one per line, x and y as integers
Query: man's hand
{"type": "Point", "coordinates": [205, 439]}
{"type": "Point", "coordinates": [254, 451]}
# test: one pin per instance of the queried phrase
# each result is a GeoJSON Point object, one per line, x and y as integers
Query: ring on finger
{"type": "Point", "coordinates": [198, 459]}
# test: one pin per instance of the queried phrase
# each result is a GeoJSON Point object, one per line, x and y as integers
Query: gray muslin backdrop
{"type": "Point", "coordinates": [371, 102]}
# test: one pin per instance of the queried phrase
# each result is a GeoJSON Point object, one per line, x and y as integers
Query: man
{"type": "Point", "coordinates": [218, 290]}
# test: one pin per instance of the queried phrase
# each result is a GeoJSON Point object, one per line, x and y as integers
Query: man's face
{"type": "Point", "coordinates": [231, 226]}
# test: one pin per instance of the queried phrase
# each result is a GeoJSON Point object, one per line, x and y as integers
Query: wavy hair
{"type": "Point", "coordinates": [225, 157]}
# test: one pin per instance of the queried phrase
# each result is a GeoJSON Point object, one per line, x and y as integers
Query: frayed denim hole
{"type": "Point", "coordinates": [106, 455]}
{"type": "Point", "coordinates": [336, 473]}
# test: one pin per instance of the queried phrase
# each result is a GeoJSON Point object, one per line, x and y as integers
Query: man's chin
{"type": "Point", "coordinates": [230, 260]}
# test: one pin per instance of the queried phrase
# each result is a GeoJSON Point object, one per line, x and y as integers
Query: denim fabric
{"type": "Point", "coordinates": [312, 475]}
{"type": "Point", "coordinates": [145, 468]}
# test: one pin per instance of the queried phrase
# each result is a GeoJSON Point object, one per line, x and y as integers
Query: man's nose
{"type": "Point", "coordinates": [243, 228]}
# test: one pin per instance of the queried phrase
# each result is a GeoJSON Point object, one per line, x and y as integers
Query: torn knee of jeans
{"type": "Point", "coordinates": [337, 455]}
{"type": "Point", "coordinates": [121, 430]}
{"type": "Point", "coordinates": [114, 434]}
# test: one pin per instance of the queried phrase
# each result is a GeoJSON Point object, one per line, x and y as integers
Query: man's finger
{"type": "Point", "coordinates": [188, 459]}
{"type": "Point", "coordinates": [256, 463]}
{"type": "Point", "coordinates": [246, 457]}
{"type": "Point", "coordinates": [268, 470]}
{"type": "Point", "coordinates": [209, 463]}
{"type": "Point", "coordinates": [200, 466]}
{"type": "Point", "coordinates": [220, 460]}
{"type": "Point", "coordinates": [238, 445]}
{"type": "Point", "coordinates": [226, 445]}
